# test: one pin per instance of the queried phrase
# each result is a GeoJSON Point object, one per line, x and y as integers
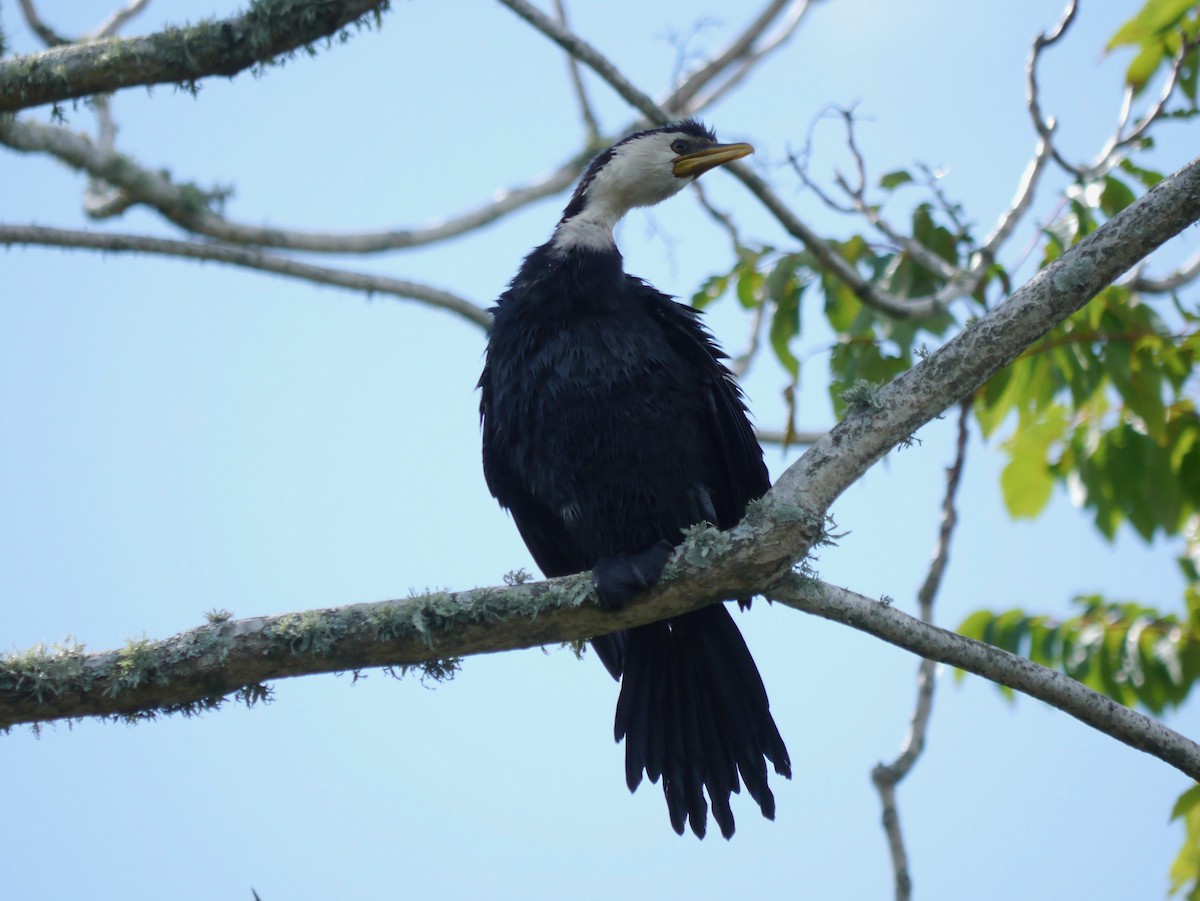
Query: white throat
{"type": "Point", "coordinates": [591, 229]}
{"type": "Point", "coordinates": [639, 174]}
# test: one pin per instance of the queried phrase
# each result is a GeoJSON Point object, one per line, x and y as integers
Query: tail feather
{"type": "Point", "coordinates": [739, 720]}
{"type": "Point", "coordinates": [727, 644]}
{"type": "Point", "coordinates": [693, 711]}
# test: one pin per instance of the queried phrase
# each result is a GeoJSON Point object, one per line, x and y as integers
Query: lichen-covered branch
{"type": "Point", "coordinates": [196, 669]}
{"type": "Point", "coordinates": [267, 30]}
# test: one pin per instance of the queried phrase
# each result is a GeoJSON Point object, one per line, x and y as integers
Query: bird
{"type": "Point", "coordinates": [610, 424]}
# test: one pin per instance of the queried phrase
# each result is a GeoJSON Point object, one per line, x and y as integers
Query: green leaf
{"type": "Point", "coordinates": [1148, 177]}
{"type": "Point", "coordinates": [1185, 870]}
{"type": "Point", "coordinates": [1143, 67]}
{"type": "Point", "coordinates": [892, 180]}
{"type": "Point", "coordinates": [784, 288]}
{"type": "Point", "coordinates": [750, 283]}
{"type": "Point", "coordinates": [1155, 17]}
{"type": "Point", "coordinates": [1115, 196]}
{"type": "Point", "coordinates": [1027, 480]}
{"type": "Point", "coordinates": [712, 289]}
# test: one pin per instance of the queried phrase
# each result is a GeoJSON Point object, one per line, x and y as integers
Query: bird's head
{"type": "Point", "coordinates": [641, 170]}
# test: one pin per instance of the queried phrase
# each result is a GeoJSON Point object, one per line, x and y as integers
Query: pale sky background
{"type": "Point", "coordinates": [176, 438]}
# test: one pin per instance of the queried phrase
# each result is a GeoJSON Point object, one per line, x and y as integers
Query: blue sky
{"type": "Point", "coordinates": [176, 438]}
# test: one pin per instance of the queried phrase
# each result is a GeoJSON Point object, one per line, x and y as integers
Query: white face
{"type": "Point", "coordinates": [640, 173]}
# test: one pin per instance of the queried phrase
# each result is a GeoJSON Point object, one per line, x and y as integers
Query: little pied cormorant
{"type": "Point", "coordinates": [610, 425]}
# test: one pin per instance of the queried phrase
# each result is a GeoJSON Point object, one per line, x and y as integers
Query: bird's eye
{"type": "Point", "coordinates": [679, 146]}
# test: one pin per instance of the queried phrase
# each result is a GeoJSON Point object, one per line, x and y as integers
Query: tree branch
{"type": "Point", "coordinates": [1172, 281]}
{"type": "Point", "coordinates": [1057, 689]}
{"type": "Point", "coordinates": [33, 19]}
{"type": "Point", "coordinates": [581, 50]}
{"type": "Point", "coordinates": [195, 670]}
{"type": "Point", "coordinates": [742, 49]}
{"type": "Point", "coordinates": [184, 204]}
{"type": "Point", "coordinates": [269, 29]}
{"type": "Point", "coordinates": [107, 242]}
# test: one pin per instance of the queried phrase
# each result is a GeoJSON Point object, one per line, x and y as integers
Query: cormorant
{"type": "Point", "coordinates": [610, 425]}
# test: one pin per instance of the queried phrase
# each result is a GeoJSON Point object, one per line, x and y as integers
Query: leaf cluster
{"type": "Point", "coordinates": [1157, 33]}
{"type": "Point", "coordinates": [1128, 651]}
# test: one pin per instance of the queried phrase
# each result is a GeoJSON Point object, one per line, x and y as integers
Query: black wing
{"type": "Point", "coordinates": [736, 472]}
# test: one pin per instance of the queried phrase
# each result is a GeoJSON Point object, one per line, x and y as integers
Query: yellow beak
{"type": "Point", "coordinates": [693, 165]}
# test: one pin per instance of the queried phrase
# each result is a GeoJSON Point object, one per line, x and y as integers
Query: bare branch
{"type": "Point", "coordinates": [723, 219]}
{"type": "Point", "coordinates": [1057, 689]}
{"type": "Point", "coordinates": [591, 127]}
{"type": "Point", "coordinates": [887, 776]}
{"type": "Point", "coordinates": [1044, 126]}
{"type": "Point", "coordinates": [1171, 282]}
{"type": "Point", "coordinates": [794, 439]}
{"type": "Point", "coordinates": [180, 55]}
{"type": "Point", "coordinates": [179, 203]}
{"type": "Point", "coordinates": [1019, 206]}
{"type": "Point", "coordinates": [831, 261]}
{"type": "Point", "coordinates": [117, 19]}
{"type": "Point", "coordinates": [741, 50]}
{"type": "Point", "coordinates": [1111, 154]}
{"type": "Point", "coordinates": [590, 57]}
{"type": "Point", "coordinates": [869, 211]}
{"type": "Point", "coordinates": [106, 242]}
{"type": "Point", "coordinates": [48, 35]}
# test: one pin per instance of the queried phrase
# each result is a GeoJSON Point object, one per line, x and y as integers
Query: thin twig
{"type": "Point", "coordinates": [887, 776]}
{"type": "Point", "coordinates": [1110, 155]}
{"type": "Point", "coordinates": [117, 19]}
{"type": "Point", "coordinates": [1043, 125]}
{"type": "Point", "coordinates": [590, 57]}
{"type": "Point", "coordinates": [870, 211]}
{"type": "Point", "coordinates": [838, 266]}
{"type": "Point", "coordinates": [591, 128]}
{"type": "Point", "coordinates": [742, 50]}
{"type": "Point", "coordinates": [48, 35]}
{"type": "Point", "coordinates": [1059, 690]}
{"type": "Point", "coordinates": [1172, 281]}
{"type": "Point", "coordinates": [247, 259]}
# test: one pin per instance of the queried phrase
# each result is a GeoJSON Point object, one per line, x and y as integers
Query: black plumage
{"type": "Point", "coordinates": [610, 425]}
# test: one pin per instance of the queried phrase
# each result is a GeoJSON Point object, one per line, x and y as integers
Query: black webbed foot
{"type": "Point", "coordinates": [620, 579]}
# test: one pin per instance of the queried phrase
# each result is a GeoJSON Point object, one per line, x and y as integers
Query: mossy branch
{"type": "Point", "coordinates": [195, 670]}
{"type": "Point", "coordinates": [267, 30]}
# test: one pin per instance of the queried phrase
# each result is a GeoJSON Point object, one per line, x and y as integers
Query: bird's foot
{"type": "Point", "coordinates": [620, 579]}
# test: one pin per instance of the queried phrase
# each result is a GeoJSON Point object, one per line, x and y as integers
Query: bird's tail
{"type": "Point", "coordinates": [694, 711]}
